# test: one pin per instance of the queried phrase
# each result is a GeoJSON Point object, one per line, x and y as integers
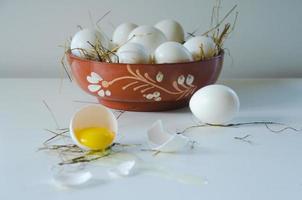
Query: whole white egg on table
{"type": "Point", "coordinates": [215, 104]}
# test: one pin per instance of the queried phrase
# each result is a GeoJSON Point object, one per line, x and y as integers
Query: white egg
{"type": "Point", "coordinates": [172, 30]}
{"type": "Point", "coordinates": [81, 40]}
{"type": "Point", "coordinates": [200, 45]}
{"type": "Point", "coordinates": [147, 36]}
{"type": "Point", "coordinates": [215, 104]}
{"type": "Point", "coordinates": [133, 53]}
{"type": "Point", "coordinates": [111, 45]}
{"type": "Point", "coordinates": [121, 33]}
{"type": "Point", "coordinates": [172, 52]}
{"type": "Point", "coordinates": [92, 116]}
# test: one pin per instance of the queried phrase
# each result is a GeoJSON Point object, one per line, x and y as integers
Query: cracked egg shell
{"type": "Point", "coordinates": [93, 127]}
{"type": "Point", "coordinates": [160, 140]}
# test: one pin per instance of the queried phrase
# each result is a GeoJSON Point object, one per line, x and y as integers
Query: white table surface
{"type": "Point", "coordinates": [270, 168]}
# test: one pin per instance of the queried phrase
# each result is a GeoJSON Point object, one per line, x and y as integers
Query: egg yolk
{"type": "Point", "coordinates": [95, 138]}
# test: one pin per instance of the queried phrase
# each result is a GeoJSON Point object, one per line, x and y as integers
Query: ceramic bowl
{"type": "Point", "coordinates": [144, 87]}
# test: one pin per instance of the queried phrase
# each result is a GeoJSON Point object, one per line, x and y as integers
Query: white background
{"type": "Point", "coordinates": [266, 42]}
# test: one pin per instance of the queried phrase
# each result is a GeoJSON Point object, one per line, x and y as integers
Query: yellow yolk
{"type": "Point", "coordinates": [95, 138]}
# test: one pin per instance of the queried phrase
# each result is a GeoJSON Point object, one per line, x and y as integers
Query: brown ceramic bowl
{"type": "Point", "coordinates": [144, 87]}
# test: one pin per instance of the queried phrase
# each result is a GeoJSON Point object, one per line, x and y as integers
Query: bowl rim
{"type": "Point", "coordinates": [220, 55]}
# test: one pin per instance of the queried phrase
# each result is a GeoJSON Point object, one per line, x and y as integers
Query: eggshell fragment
{"type": "Point", "coordinates": [215, 104]}
{"type": "Point", "coordinates": [172, 30]}
{"type": "Point", "coordinates": [122, 170]}
{"type": "Point", "coordinates": [92, 116]}
{"type": "Point", "coordinates": [160, 140]}
{"type": "Point", "coordinates": [68, 179]}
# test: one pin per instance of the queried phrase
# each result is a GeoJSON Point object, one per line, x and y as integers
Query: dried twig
{"type": "Point", "coordinates": [61, 134]}
{"type": "Point", "coordinates": [52, 114]}
{"type": "Point", "coordinates": [244, 139]}
{"type": "Point", "coordinates": [266, 123]}
{"type": "Point", "coordinates": [121, 112]}
{"type": "Point", "coordinates": [90, 102]}
{"type": "Point", "coordinates": [99, 20]}
{"type": "Point", "coordinates": [220, 22]}
{"type": "Point", "coordinates": [245, 123]}
{"type": "Point", "coordinates": [283, 129]}
{"type": "Point", "coordinates": [72, 150]}
{"type": "Point", "coordinates": [71, 147]}
{"type": "Point", "coordinates": [88, 157]}
{"type": "Point", "coordinates": [191, 127]}
{"type": "Point", "coordinates": [155, 152]}
{"type": "Point", "coordinates": [191, 34]}
{"type": "Point", "coordinates": [63, 64]}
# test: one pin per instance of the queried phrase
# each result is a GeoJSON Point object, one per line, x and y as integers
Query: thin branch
{"type": "Point", "coordinates": [283, 129]}
{"type": "Point", "coordinates": [121, 112]}
{"type": "Point", "coordinates": [65, 68]}
{"type": "Point", "coordinates": [55, 136]}
{"type": "Point", "coordinates": [223, 19]}
{"type": "Point", "coordinates": [240, 124]}
{"type": "Point", "coordinates": [155, 152]}
{"type": "Point", "coordinates": [245, 123]}
{"type": "Point", "coordinates": [52, 114]}
{"type": "Point", "coordinates": [191, 127]}
{"type": "Point", "coordinates": [90, 18]}
{"type": "Point", "coordinates": [79, 101]}
{"type": "Point", "coordinates": [95, 49]}
{"type": "Point", "coordinates": [192, 34]}
{"type": "Point", "coordinates": [99, 20]}
{"type": "Point", "coordinates": [244, 139]}
{"type": "Point", "coordinates": [85, 158]}
{"type": "Point", "coordinates": [59, 147]}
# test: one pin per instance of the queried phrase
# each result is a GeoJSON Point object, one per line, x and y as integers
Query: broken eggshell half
{"type": "Point", "coordinates": [162, 141]}
{"type": "Point", "coordinates": [92, 116]}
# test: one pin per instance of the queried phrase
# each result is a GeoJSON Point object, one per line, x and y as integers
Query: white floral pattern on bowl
{"type": "Point", "coordinates": [95, 79]}
{"type": "Point", "coordinates": [182, 87]}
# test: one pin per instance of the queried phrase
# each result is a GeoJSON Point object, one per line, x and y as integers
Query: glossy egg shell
{"type": "Point", "coordinates": [215, 104]}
